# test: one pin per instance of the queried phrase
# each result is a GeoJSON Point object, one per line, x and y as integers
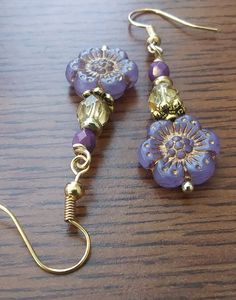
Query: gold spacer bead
{"type": "Point", "coordinates": [165, 79]}
{"type": "Point", "coordinates": [86, 94]}
{"type": "Point", "coordinates": [98, 91]}
{"type": "Point", "coordinates": [187, 187]}
{"type": "Point", "coordinates": [74, 189]}
{"type": "Point", "coordinates": [109, 101]}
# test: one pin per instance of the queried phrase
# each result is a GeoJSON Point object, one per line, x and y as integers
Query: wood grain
{"type": "Point", "coordinates": [148, 242]}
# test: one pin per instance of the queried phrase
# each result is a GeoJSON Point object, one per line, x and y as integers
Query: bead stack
{"type": "Point", "coordinates": [98, 75]}
{"type": "Point", "coordinates": [93, 113]}
{"type": "Point", "coordinates": [178, 151]}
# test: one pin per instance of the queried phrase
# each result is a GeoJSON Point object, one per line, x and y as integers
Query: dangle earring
{"type": "Point", "coordinates": [98, 75]}
{"type": "Point", "coordinates": [177, 151]}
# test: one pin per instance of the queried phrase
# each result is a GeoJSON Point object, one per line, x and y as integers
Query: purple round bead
{"type": "Point", "coordinates": [158, 68]}
{"type": "Point", "coordinates": [85, 137]}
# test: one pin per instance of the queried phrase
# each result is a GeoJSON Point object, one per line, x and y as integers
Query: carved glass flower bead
{"type": "Point", "coordinates": [109, 69]}
{"type": "Point", "coordinates": [179, 151]}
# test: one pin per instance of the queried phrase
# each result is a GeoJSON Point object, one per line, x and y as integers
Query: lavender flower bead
{"type": "Point", "coordinates": [179, 150]}
{"type": "Point", "coordinates": [107, 68]}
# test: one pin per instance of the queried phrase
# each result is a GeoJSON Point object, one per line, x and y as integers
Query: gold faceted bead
{"type": "Point", "coordinates": [74, 189]}
{"type": "Point", "coordinates": [164, 100]}
{"type": "Point", "coordinates": [93, 112]}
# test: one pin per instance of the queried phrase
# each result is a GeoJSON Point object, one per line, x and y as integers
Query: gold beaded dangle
{"type": "Point", "coordinates": [178, 151]}
{"type": "Point", "coordinates": [98, 75]}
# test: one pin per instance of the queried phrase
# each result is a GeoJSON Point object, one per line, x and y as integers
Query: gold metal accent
{"type": "Point", "coordinates": [164, 79]}
{"type": "Point", "coordinates": [187, 187]}
{"type": "Point", "coordinates": [73, 191]}
{"type": "Point", "coordinates": [155, 50]}
{"type": "Point", "coordinates": [105, 96]}
{"type": "Point", "coordinates": [164, 100]}
{"type": "Point", "coordinates": [80, 164]}
{"type": "Point", "coordinates": [150, 28]}
{"type": "Point", "coordinates": [94, 111]}
{"type": "Point", "coordinates": [154, 40]}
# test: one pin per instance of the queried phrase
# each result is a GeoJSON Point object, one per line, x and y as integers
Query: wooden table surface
{"type": "Point", "coordinates": [147, 242]}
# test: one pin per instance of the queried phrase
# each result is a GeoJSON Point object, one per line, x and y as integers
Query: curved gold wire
{"type": "Point", "coordinates": [35, 256]}
{"type": "Point", "coordinates": [150, 28]}
{"type": "Point", "coordinates": [81, 162]}
{"type": "Point", "coordinates": [79, 165]}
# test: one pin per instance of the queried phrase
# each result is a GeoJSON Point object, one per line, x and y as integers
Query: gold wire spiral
{"type": "Point", "coordinates": [81, 162]}
{"type": "Point", "coordinates": [73, 191]}
{"type": "Point", "coordinates": [70, 209]}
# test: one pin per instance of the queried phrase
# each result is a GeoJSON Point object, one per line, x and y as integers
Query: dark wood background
{"type": "Point", "coordinates": [148, 242]}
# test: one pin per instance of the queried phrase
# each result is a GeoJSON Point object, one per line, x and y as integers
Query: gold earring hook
{"type": "Point", "coordinates": [73, 191]}
{"type": "Point", "coordinates": [35, 256]}
{"type": "Point", "coordinates": [151, 30]}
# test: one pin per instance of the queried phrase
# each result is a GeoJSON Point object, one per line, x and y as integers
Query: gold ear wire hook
{"type": "Point", "coordinates": [35, 256]}
{"type": "Point", "coordinates": [151, 30]}
{"type": "Point", "coordinates": [73, 191]}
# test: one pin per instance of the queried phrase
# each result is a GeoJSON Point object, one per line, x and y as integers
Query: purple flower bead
{"type": "Point", "coordinates": [158, 68]}
{"type": "Point", "coordinates": [180, 150]}
{"type": "Point", "coordinates": [85, 137]}
{"type": "Point", "coordinates": [107, 68]}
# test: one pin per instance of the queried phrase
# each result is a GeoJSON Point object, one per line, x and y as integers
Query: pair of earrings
{"type": "Point", "coordinates": [177, 151]}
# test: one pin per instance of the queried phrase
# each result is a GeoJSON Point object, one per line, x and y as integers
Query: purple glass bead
{"type": "Point", "coordinates": [158, 68]}
{"type": "Point", "coordinates": [179, 150]}
{"type": "Point", "coordinates": [107, 68]}
{"type": "Point", "coordinates": [85, 137]}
